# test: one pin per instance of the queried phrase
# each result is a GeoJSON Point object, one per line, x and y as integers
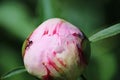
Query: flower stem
{"type": "Point", "coordinates": [48, 12]}
{"type": "Point", "coordinates": [83, 77]}
{"type": "Point", "coordinates": [37, 78]}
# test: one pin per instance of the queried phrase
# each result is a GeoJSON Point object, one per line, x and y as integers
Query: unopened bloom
{"type": "Point", "coordinates": [55, 51]}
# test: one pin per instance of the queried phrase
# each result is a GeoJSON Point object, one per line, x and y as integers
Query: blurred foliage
{"type": "Point", "coordinates": [18, 18]}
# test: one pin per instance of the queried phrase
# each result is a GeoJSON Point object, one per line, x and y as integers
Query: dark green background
{"type": "Point", "coordinates": [18, 18]}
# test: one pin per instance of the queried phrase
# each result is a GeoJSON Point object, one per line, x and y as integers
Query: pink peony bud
{"type": "Point", "coordinates": [55, 50]}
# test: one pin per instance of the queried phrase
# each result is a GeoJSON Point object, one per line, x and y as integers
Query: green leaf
{"type": "Point", "coordinates": [13, 72]}
{"type": "Point", "coordinates": [110, 31]}
{"type": "Point", "coordinates": [103, 62]}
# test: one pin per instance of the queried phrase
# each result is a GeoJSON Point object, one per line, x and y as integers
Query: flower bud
{"type": "Point", "coordinates": [56, 50]}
